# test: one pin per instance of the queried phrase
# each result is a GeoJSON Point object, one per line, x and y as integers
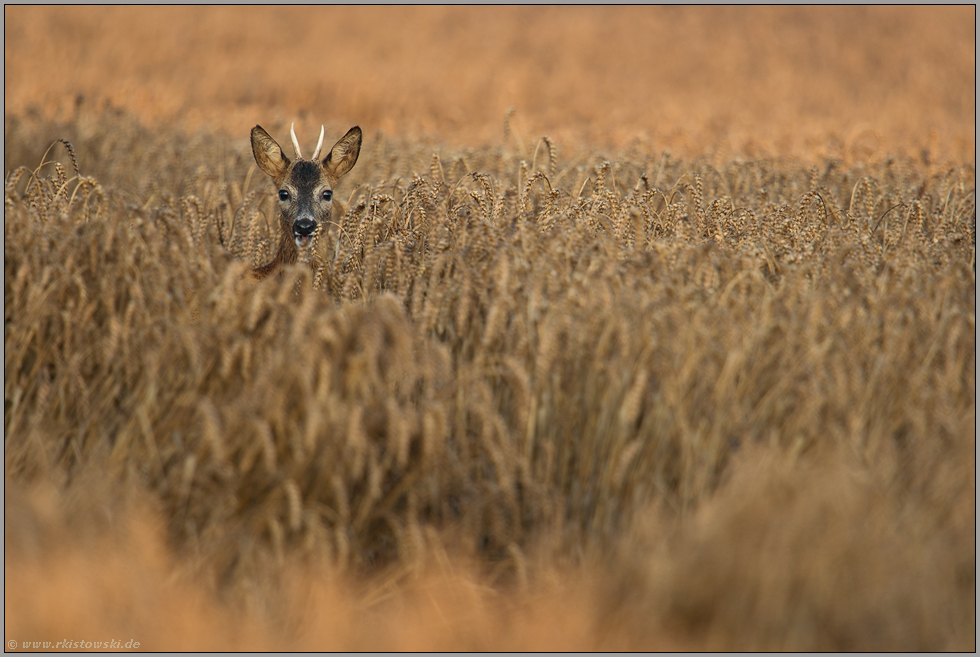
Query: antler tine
{"type": "Point", "coordinates": [292, 133]}
{"type": "Point", "coordinates": [319, 145]}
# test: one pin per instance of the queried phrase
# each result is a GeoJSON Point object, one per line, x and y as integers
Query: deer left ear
{"type": "Point", "coordinates": [268, 154]}
{"type": "Point", "coordinates": [343, 156]}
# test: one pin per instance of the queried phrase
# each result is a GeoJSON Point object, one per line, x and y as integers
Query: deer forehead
{"type": "Point", "coordinates": [307, 176]}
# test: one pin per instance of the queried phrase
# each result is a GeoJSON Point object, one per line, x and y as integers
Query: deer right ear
{"type": "Point", "coordinates": [343, 156]}
{"type": "Point", "coordinates": [267, 153]}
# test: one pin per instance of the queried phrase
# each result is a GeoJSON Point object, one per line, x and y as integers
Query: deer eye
{"type": "Point", "coordinates": [283, 195]}
{"type": "Point", "coordinates": [327, 195]}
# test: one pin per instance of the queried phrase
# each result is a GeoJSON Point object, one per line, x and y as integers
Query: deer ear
{"type": "Point", "coordinates": [343, 156]}
{"type": "Point", "coordinates": [267, 153]}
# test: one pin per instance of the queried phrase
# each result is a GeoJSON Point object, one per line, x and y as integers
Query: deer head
{"type": "Point", "coordinates": [304, 189]}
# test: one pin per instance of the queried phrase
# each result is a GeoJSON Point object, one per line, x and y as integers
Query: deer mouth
{"type": "Point", "coordinates": [303, 232]}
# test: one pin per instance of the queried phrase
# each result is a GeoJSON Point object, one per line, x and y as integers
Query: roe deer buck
{"type": "Point", "coordinates": [305, 191]}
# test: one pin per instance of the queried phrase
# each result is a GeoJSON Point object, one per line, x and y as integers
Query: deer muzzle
{"type": "Point", "coordinates": [303, 231]}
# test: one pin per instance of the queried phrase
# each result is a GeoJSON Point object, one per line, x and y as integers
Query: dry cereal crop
{"type": "Point", "coordinates": [633, 328]}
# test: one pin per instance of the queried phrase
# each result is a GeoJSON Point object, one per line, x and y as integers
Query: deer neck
{"type": "Point", "coordinates": [287, 253]}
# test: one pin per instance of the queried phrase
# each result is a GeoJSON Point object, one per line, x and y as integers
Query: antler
{"type": "Point", "coordinates": [292, 134]}
{"type": "Point", "coordinates": [319, 145]}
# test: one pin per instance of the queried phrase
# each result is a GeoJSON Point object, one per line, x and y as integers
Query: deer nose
{"type": "Point", "coordinates": [304, 227]}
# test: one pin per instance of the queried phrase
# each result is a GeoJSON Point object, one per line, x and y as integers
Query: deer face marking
{"type": "Point", "coordinates": [304, 201]}
{"type": "Point", "coordinates": [304, 187]}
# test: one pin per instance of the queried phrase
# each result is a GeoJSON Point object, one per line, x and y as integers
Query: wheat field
{"type": "Point", "coordinates": [636, 329]}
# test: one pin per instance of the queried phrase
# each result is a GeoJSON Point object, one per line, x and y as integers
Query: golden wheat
{"type": "Point", "coordinates": [694, 371]}
{"type": "Point", "coordinates": [516, 369]}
